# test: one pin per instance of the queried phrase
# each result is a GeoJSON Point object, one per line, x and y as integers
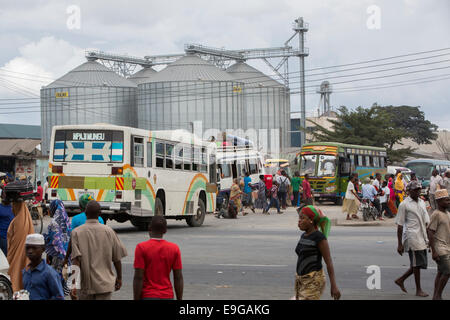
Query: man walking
{"type": "Point", "coordinates": [412, 220]}
{"type": "Point", "coordinates": [154, 260]}
{"type": "Point", "coordinates": [439, 235]}
{"type": "Point", "coordinates": [248, 200]}
{"type": "Point", "coordinates": [283, 187]}
{"type": "Point", "coordinates": [436, 182]}
{"type": "Point", "coordinates": [94, 248]}
{"type": "Point", "coordinates": [306, 195]}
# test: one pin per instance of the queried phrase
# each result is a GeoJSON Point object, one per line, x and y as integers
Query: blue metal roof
{"type": "Point", "coordinates": [19, 131]}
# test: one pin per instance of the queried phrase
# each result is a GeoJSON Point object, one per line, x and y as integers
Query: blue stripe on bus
{"type": "Point", "coordinates": [60, 157]}
{"type": "Point", "coordinates": [97, 157]}
{"type": "Point", "coordinates": [78, 157]}
{"type": "Point", "coordinates": [117, 145]}
{"type": "Point", "coordinates": [98, 145]}
{"type": "Point", "coordinates": [59, 145]}
{"type": "Point", "coordinates": [116, 157]}
{"type": "Point", "coordinates": [78, 145]}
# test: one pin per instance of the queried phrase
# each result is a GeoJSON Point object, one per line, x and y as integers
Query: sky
{"type": "Point", "coordinates": [43, 40]}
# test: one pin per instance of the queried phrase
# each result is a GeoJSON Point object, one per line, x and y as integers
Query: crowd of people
{"type": "Point", "coordinates": [272, 191]}
{"type": "Point", "coordinates": [81, 257]}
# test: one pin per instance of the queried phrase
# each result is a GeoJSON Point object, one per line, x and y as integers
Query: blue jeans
{"type": "Point", "coordinates": [4, 246]}
{"type": "Point", "coordinates": [272, 202]}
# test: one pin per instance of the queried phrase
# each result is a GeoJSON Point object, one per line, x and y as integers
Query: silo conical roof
{"type": "Point", "coordinates": [143, 75]}
{"type": "Point", "coordinates": [91, 74]}
{"type": "Point", "coordinates": [191, 68]}
{"type": "Point", "coordinates": [250, 76]}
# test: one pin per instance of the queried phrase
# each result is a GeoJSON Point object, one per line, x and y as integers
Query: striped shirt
{"type": "Point", "coordinates": [309, 256]}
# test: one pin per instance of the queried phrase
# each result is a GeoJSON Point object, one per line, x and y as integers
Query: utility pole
{"type": "Point", "coordinates": [301, 27]}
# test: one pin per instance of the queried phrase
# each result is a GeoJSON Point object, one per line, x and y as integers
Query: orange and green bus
{"type": "Point", "coordinates": [329, 165]}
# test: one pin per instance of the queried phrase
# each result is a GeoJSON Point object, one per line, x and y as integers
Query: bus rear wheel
{"type": "Point", "coordinates": [140, 223]}
{"type": "Point", "coordinates": [197, 219]}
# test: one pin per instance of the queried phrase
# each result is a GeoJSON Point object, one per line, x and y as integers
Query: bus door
{"type": "Point", "coordinates": [344, 170]}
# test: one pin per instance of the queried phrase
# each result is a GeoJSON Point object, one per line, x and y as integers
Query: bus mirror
{"type": "Point", "coordinates": [296, 161]}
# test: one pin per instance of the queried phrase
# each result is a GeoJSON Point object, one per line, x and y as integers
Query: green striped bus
{"type": "Point", "coordinates": [329, 165]}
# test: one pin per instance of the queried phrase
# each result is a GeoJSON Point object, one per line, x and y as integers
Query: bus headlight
{"type": "Point", "coordinates": [330, 189]}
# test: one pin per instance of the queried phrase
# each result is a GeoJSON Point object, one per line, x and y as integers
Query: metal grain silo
{"type": "Point", "coordinates": [266, 106]}
{"type": "Point", "coordinates": [188, 90]}
{"type": "Point", "coordinates": [90, 93]}
{"type": "Point", "coordinates": [143, 75]}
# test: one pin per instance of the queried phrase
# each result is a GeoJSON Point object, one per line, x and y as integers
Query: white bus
{"type": "Point", "coordinates": [234, 162]}
{"type": "Point", "coordinates": [134, 174]}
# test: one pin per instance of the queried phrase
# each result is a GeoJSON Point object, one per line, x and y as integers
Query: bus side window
{"type": "Point", "coordinates": [382, 161]}
{"type": "Point", "coordinates": [187, 158]}
{"type": "Point", "coordinates": [204, 165]}
{"type": "Point", "coordinates": [368, 164]}
{"type": "Point", "coordinates": [197, 159]}
{"type": "Point", "coordinates": [376, 162]}
{"type": "Point", "coordinates": [160, 155]}
{"type": "Point", "coordinates": [360, 161]}
{"type": "Point", "coordinates": [149, 155]}
{"type": "Point", "coordinates": [169, 156]}
{"type": "Point", "coordinates": [138, 147]}
{"type": "Point", "coordinates": [178, 157]}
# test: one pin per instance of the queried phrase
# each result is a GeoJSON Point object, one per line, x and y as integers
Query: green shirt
{"type": "Point", "coordinates": [295, 182]}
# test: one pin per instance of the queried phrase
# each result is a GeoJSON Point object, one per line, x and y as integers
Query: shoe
{"type": "Point", "coordinates": [280, 212]}
{"type": "Point", "coordinates": [244, 213]}
{"type": "Point", "coordinates": [381, 219]}
{"type": "Point", "coordinates": [253, 209]}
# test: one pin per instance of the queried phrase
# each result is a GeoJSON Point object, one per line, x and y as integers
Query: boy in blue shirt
{"type": "Point", "coordinates": [39, 279]}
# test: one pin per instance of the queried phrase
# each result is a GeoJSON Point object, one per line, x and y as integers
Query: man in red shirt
{"type": "Point", "coordinates": [306, 195]}
{"type": "Point", "coordinates": [153, 261]}
{"type": "Point", "coordinates": [40, 193]}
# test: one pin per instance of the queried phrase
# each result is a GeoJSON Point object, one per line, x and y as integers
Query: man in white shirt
{"type": "Point", "coordinates": [435, 181]}
{"type": "Point", "coordinates": [412, 221]}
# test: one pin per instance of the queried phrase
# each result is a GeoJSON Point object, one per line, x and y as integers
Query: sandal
{"type": "Point", "coordinates": [355, 216]}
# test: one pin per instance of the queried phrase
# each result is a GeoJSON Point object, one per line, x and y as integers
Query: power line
{"type": "Point", "coordinates": [258, 77]}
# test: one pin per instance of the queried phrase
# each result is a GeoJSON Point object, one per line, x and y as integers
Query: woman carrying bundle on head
{"type": "Point", "coordinates": [313, 245]}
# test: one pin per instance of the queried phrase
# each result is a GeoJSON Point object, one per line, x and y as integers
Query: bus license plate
{"type": "Point", "coordinates": [84, 192]}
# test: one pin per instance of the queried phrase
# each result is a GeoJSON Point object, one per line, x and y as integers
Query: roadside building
{"type": "Point", "coordinates": [20, 151]}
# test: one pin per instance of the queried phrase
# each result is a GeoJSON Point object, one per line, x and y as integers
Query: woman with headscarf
{"type": "Point", "coordinates": [392, 198]}
{"type": "Point", "coordinates": [399, 188]}
{"type": "Point", "coordinates": [313, 245]}
{"type": "Point", "coordinates": [20, 227]}
{"type": "Point", "coordinates": [58, 237]}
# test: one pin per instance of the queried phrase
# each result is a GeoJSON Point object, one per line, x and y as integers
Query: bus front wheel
{"type": "Point", "coordinates": [197, 219]}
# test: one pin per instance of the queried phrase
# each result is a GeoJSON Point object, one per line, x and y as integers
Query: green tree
{"type": "Point", "coordinates": [379, 127]}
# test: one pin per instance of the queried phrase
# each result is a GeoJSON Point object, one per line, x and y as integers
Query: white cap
{"type": "Point", "coordinates": [35, 239]}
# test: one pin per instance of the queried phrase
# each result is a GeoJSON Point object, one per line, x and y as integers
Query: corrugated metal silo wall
{"type": "Point", "coordinates": [86, 105]}
{"type": "Point", "coordinates": [267, 109]}
{"type": "Point", "coordinates": [174, 105]}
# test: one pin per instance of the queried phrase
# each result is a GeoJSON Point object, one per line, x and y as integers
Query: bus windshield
{"type": "Point", "coordinates": [327, 166]}
{"type": "Point", "coordinates": [99, 146]}
{"type": "Point", "coordinates": [308, 165]}
{"type": "Point", "coordinates": [422, 170]}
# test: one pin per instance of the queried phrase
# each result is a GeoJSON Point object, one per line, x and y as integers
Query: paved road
{"type": "Point", "coordinates": [253, 258]}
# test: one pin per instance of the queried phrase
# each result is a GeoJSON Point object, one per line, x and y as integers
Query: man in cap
{"type": "Point", "coordinates": [39, 279]}
{"type": "Point", "coordinates": [439, 235]}
{"type": "Point", "coordinates": [412, 220]}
